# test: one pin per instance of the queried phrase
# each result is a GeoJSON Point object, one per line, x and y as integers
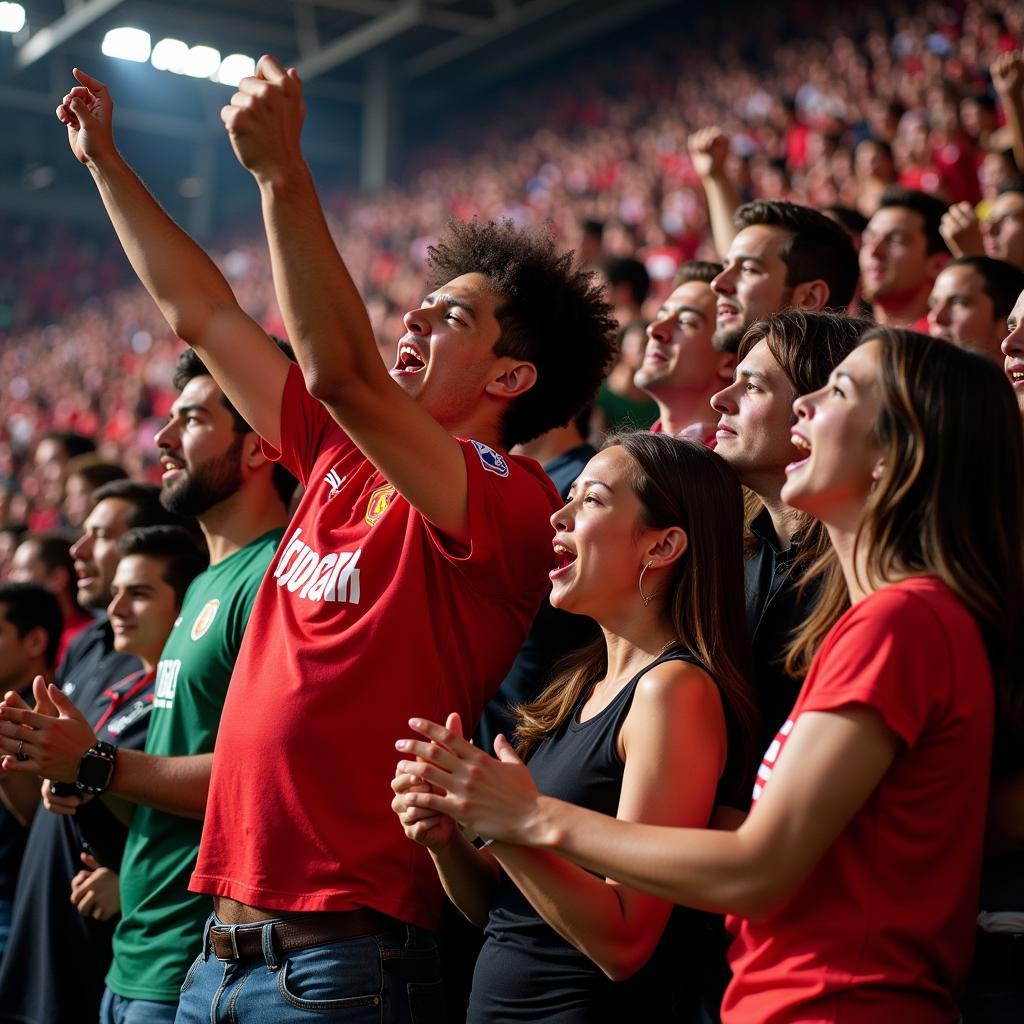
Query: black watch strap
{"type": "Point", "coordinates": [96, 769]}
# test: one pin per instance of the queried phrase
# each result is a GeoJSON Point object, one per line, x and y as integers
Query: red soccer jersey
{"type": "Point", "coordinates": [366, 617]}
{"type": "Point", "coordinates": [881, 932]}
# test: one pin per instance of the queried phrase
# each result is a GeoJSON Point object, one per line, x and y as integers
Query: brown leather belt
{"type": "Point", "coordinates": [236, 942]}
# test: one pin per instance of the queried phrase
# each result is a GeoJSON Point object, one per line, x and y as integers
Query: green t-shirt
{"type": "Point", "coordinates": [161, 926]}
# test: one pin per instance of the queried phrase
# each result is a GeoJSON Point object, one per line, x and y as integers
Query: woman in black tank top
{"type": "Point", "coordinates": [649, 724]}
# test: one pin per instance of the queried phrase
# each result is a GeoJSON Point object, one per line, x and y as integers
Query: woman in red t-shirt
{"type": "Point", "coordinates": [853, 880]}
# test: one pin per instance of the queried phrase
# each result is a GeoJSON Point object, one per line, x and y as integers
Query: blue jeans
{"type": "Point", "coordinates": [390, 978]}
{"type": "Point", "coordinates": [116, 1009]}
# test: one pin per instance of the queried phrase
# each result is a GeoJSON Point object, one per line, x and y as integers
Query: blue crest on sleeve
{"type": "Point", "coordinates": [492, 461]}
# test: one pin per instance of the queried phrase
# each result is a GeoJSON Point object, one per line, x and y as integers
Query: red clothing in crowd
{"type": "Point", "coordinates": [367, 616]}
{"type": "Point", "coordinates": [855, 944]}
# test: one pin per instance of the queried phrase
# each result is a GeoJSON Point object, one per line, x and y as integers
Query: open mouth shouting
{"type": "Point", "coordinates": [564, 558]}
{"type": "Point", "coordinates": [801, 444]}
{"type": "Point", "coordinates": [410, 360]}
{"type": "Point", "coordinates": [1015, 375]}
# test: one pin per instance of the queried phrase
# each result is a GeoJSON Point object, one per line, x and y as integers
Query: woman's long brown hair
{"type": "Point", "coordinates": [951, 502]}
{"type": "Point", "coordinates": [808, 347]}
{"type": "Point", "coordinates": [679, 483]}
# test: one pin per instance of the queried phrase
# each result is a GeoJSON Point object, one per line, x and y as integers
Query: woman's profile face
{"type": "Point", "coordinates": [840, 456]}
{"type": "Point", "coordinates": [599, 538]}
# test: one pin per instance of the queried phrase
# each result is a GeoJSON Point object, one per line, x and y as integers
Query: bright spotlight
{"type": "Point", "coordinates": [234, 68]}
{"type": "Point", "coordinates": [202, 62]}
{"type": "Point", "coordinates": [12, 17]}
{"type": "Point", "coordinates": [170, 55]}
{"type": "Point", "coordinates": [127, 44]}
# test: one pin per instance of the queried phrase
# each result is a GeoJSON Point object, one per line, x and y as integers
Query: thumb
{"type": "Point", "coordinates": [454, 724]}
{"type": "Point", "coordinates": [44, 706]}
{"type": "Point", "coordinates": [90, 861]}
{"type": "Point", "coordinates": [64, 705]}
{"type": "Point", "coordinates": [505, 751]}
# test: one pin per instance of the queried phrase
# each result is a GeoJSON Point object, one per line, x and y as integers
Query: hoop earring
{"type": "Point", "coordinates": [640, 585]}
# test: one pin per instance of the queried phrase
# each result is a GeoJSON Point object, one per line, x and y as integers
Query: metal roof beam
{"type": "Point", "coordinates": [42, 42]}
{"type": "Point", "coordinates": [361, 40]}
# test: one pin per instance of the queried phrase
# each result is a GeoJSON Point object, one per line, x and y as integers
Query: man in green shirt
{"type": "Point", "coordinates": [214, 469]}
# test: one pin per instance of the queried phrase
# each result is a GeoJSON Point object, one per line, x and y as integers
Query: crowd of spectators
{"type": "Point", "coordinates": [827, 107]}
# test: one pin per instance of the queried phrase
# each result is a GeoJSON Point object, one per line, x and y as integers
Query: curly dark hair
{"type": "Point", "coordinates": [552, 314]}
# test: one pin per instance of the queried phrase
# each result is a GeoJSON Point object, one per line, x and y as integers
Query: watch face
{"type": "Point", "coordinates": [94, 770]}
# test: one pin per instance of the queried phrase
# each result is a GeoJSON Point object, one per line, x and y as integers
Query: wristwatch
{"type": "Point", "coordinates": [96, 769]}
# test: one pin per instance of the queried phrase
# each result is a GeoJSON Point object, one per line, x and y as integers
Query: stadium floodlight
{"type": "Point", "coordinates": [12, 17]}
{"type": "Point", "coordinates": [202, 62]}
{"type": "Point", "coordinates": [170, 55]}
{"type": "Point", "coordinates": [127, 44]}
{"type": "Point", "coordinates": [234, 67]}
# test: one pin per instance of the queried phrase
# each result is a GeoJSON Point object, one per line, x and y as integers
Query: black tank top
{"type": "Point", "coordinates": [526, 971]}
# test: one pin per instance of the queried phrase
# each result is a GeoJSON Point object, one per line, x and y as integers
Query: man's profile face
{"type": "Point", "coordinates": [201, 452]}
{"type": "Point", "coordinates": [16, 655]}
{"type": "Point", "coordinates": [1013, 350]}
{"type": "Point", "coordinates": [95, 552]}
{"type": "Point", "coordinates": [959, 311]}
{"type": "Point", "coordinates": [752, 285]}
{"type": "Point", "coordinates": [446, 356]}
{"type": "Point", "coordinates": [143, 606]}
{"type": "Point", "coordinates": [680, 356]}
{"type": "Point", "coordinates": [894, 258]}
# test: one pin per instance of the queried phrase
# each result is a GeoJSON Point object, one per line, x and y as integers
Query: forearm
{"type": "Point", "coordinates": [710, 870]}
{"type": "Point", "coordinates": [183, 281]}
{"type": "Point", "coordinates": [616, 928]}
{"type": "Point", "coordinates": [20, 795]}
{"type": "Point", "coordinates": [469, 877]}
{"type": "Point", "coordinates": [723, 202]}
{"type": "Point", "coordinates": [1013, 105]}
{"type": "Point", "coordinates": [176, 785]}
{"type": "Point", "coordinates": [323, 311]}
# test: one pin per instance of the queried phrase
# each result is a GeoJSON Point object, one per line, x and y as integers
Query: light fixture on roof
{"type": "Point", "coordinates": [234, 67]}
{"type": "Point", "coordinates": [12, 17]}
{"type": "Point", "coordinates": [127, 44]}
{"type": "Point", "coordinates": [202, 62]}
{"type": "Point", "coordinates": [170, 55]}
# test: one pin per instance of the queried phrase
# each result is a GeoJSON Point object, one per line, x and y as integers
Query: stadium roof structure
{"type": "Point", "coordinates": [368, 65]}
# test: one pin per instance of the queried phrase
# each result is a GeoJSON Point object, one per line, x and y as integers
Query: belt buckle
{"type": "Point", "coordinates": [232, 930]}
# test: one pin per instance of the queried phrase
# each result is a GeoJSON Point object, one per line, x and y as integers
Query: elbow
{"type": "Point", "coordinates": [756, 899]}
{"type": "Point", "coordinates": [623, 959]}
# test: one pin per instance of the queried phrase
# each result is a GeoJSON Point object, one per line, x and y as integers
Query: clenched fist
{"type": "Point", "coordinates": [709, 149]}
{"type": "Point", "coordinates": [264, 120]}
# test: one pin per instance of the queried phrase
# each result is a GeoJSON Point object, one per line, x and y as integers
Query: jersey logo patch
{"type": "Point", "coordinates": [204, 620]}
{"type": "Point", "coordinates": [334, 480]}
{"type": "Point", "coordinates": [491, 460]}
{"type": "Point", "coordinates": [379, 501]}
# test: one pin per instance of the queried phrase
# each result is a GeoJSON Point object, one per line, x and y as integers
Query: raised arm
{"type": "Point", "coordinates": [709, 148]}
{"type": "Point", "coordinates": [191, 292]}
{"type": "Point", "coordinates": [1008, 78]}
{"type": "Point", "coordinates": [829, 767]}
{"type": "Point", "coordinates": [325, 315]}
{"type": "Point", "coordinates": [674, 745]}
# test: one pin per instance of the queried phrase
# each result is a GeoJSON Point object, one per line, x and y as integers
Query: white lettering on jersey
{"type": "Point", "coordinates": [316, 577]}
{"type": "Point", "coordinates": [133, 713]}
{"type": "Point", "coordinates": [166, 683]}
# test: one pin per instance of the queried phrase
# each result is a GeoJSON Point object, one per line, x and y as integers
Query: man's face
{"type": "Point", "coordinates": [446, 357]}
{"type": "Point", "coordinates": [1013, 350]}
{"type": "Point", "coordinates": [21, 657]}
{"type": "Point", "coordinates": [26, 565]}
{"type": "Point", "coordinates": [142, 608]}
{"type": "Point", "coordinates": [894, 258]}
{"type": "Point", "coordinates": [95, 552]}
{"type": "Point", "coordinates": [50, 460]}
{"type": "Point", "coordinates": [1004, 229]}
{"type": "Point", "coordinates": [752, 285]}
{"type": "Point", "coordinates": [201, 453]}
{"type": "Point", "coordinates": [679, 357]}
{"type": "Point", "coordinates": [756, 413]}
{"type": "Point", "coordinates": [959, 311]}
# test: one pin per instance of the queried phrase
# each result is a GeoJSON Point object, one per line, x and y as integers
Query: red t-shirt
{"type": "Point", "coordinates": [881, 932]}
{"type": "Point", "coordinates": [366, 617]}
